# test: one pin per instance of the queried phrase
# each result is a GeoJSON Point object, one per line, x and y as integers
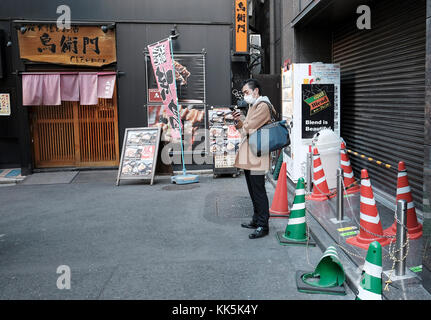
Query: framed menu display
{"type": "Point", "coordinates": [224, 139]}
{"type": "Point", "coordinates": [139, 154]}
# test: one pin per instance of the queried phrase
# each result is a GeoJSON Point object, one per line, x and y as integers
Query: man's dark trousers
{"type": "Point", "coordinates": [256, 188]}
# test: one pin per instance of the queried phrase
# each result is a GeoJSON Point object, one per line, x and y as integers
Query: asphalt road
{"type": "Point", "coordinates": [138, 241]}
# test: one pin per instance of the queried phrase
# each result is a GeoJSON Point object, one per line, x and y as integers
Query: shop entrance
{"type": "Point", "coordinates": [75, 135]}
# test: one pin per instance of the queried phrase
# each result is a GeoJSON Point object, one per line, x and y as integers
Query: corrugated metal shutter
{"type": "Point", "coordinates": [383, 91]}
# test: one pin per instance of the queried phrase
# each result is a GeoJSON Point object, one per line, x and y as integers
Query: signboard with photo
{"type": "Point", "coordinates": [189, 76]}
{"type": "Point", "coordinates": [139, 154]}
{"type": "Point", "coordinates": [317, 108]}
{"type": "Point", "coordinates": [224, 137]}
{"type": "Point", "coordinates": [192, 119]}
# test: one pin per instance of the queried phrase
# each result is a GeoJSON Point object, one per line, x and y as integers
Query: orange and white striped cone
{"type": "Point", "coordinates": [320, 185]}
{"type": "Point", "coordinates": [404, 193]}
{"type": "Point", "coordinates": [349, 178]}
{"type": "Point", "coordinates": [369, 218]}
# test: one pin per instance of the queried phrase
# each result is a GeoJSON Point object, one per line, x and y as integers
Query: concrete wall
{"type": "Point", "coordinates": [215, 11]}
{"type": "Point", "coordinates": [9, 125]}
{"type": "Point", "coordinates": [306, 44]}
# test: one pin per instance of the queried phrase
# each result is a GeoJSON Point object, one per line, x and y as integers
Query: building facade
{"type": "Point", "coordinates": [33, 137]}
{"type": "Point", "coordinates": [384, 52]}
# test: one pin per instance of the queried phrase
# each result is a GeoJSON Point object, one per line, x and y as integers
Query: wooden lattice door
{"type": "Point", "coordinates": [75, 135]}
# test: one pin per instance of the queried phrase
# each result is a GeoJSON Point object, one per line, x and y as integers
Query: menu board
{"type": "Point", "coordinates": [224, 137]}
{"type": "Point", "coordinates": [139, 154]}
{"type": "Point", "coordinates": [4, 104]}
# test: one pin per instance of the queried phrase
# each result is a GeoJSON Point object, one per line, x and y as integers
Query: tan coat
{"type": "Point", "coordinates": [257, 116]}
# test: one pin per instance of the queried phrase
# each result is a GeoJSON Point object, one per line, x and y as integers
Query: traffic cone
{"type": "Point", "coordinates": [404, 193]}
{"type": "Point", "coordinates": [328, 277]}
{"type": "Point", "coordinates": [370, 285]}
{"type": "Point", "coordinates": [280, 205]}
{"type": "Point", "coordinates": [369, 218]}
{"type": "Point", "coordinates": [296, 230]}
{"type": "Point", "coordinates": [349, 179]}
{"type": "Point", "coordinates": [320, 186]}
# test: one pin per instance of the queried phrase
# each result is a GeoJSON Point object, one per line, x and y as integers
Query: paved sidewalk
{"type": "Point", "coordinates": [325, 233]}
{"type": "Point", "coordinates": [10, 176]}
{"type": "Point", "coordinates": [138, 241]}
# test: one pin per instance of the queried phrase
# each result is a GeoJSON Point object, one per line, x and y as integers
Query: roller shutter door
{"type": "Point", "coordinates": [383, 92]}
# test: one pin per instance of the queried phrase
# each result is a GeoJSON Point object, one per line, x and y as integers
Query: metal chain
{"type": "Point", "coordinates": [394, 259]}
{"type": "Point", "coordinates": [349, 252]}
{"type": "Point", "coordinates": [324, 193]}
{"type": "Point", "coordinates": [392, 248]}
{"type": "Point", "coordinates": [370, 232]}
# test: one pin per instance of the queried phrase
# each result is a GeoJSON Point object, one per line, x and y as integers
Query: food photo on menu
{"type": "Point", "coordinates": [224, 137]}
{"type": "Point", "coordinates": [139, 153]}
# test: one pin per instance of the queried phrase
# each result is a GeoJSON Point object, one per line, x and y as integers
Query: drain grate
{"type": "Point", "coordinates": [178, 187]}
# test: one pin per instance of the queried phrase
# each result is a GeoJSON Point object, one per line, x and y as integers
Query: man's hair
{"type": "Point", "coordinates": [253, 84]}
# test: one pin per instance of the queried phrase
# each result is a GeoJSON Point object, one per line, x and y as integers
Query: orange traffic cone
{"type": "Point", "coordinates": [280, 206]}
{"type": "Point", "coordinates": [371, 227]}
{"type": "Point", "coordinates": [349, 179]}
{"type": "Point", "coordinates": [320, 185]}
{"type": "Point", "coordinates": [404, 193]}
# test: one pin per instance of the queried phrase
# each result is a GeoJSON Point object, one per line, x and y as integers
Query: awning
{"type": "Point", "coordinates": [49, 88]}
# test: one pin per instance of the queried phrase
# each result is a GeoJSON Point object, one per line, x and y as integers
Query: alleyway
{"type": "Point", "coordinates": [138, 241]}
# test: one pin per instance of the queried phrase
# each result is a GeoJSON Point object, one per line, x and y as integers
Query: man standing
{"type": "Point", "coordinates": [254, 167]}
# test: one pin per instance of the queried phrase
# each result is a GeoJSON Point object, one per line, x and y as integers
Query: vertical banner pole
{"type": "Point", "coordinates": [178, 107]}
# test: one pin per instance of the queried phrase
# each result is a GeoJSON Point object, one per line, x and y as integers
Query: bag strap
{"type": "Point", "coordinates": [272, 112]}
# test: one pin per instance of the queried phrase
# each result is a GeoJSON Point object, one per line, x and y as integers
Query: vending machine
{"type": "Point", "coordinates": [310, 103]}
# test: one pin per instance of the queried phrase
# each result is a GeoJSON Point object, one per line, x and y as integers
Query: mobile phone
{"type": "Point", "coordinates": [232, 108]}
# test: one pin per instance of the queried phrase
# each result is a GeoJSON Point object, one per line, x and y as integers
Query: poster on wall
{"type": "Point", "coordinates": [139, 154]}
{"type": "Point", "coordinates": [317, 108]}
{"type": "Point", "coordinates": [193, 119]}
{"type": "Point", "coordinates": [190, 83]}
{"type": "Point", "coordinates": [4, 104]}
{"type": "Point", "coordinates": [189, 76]}
{"type": "Point", "coordinates": [224, 137]}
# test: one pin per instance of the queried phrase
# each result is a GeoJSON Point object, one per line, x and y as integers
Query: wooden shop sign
{"type": "Point", "coordinates": [79, 45]}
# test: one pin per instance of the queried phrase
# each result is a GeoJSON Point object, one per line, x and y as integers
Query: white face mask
{"type": "Point", "coordinates": [249, 99]}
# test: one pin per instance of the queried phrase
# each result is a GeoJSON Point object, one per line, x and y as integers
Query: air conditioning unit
{"type": "Point", "coordinates": [255, 39]}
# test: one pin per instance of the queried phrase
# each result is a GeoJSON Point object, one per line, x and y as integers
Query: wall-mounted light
{"type": "Point", "coordinates": [108, 27]}
{"type": "Point", "coordinates": [174, 33]}
{"type": "Point", "coordinates": [9, 41]}
{"type": "Point", "coordinates": [23, 29]}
